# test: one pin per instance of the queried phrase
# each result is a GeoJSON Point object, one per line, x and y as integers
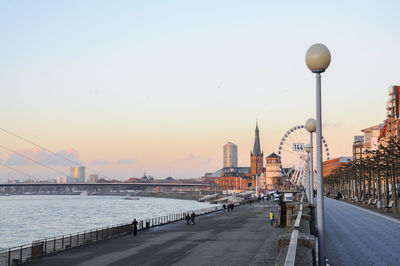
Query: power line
{"type": "Point", "coordinates": [49, 151]}
{"type": "Point", "coordinates": [12, 168]}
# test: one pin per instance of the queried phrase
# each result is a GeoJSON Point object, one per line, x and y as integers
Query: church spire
{"type": "Point", "coordinates": [256, 147]}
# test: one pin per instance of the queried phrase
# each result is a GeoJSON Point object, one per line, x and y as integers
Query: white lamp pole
{"type": "Point", "coordinates": [307, 149]}
{"type": "Point", "coordinates": [318, 59]}
{"type": "Point", "coordinates": [311, 126]}
{"type": "Point", "coordinates": [257, 186]}
{"type": "Point", "coordinates": [307, 160]}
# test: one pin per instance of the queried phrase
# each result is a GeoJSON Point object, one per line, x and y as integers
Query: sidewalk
{"type": "Point", "coordinates": [241, 237]}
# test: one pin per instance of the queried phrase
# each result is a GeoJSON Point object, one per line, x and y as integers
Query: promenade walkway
{"type": "Point", "coordinates": [356, 236]}
{"type": "Point", "coordinates": [241, 237]}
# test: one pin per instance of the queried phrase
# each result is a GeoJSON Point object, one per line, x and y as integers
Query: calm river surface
{"type": "Point", "coordinates": [24, 218]}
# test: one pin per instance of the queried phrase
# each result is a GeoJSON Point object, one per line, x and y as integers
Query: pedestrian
{"type": "Point", "coordinates": [232, 206]}
{"type": "Point", "coordinates": [224, 206]}
{"type": "Point", "coordinates": [134, 227]}
{"type": "Point", "coordinates": [250, 202]}
{"type": "Point", "coordinates": [192, 217]}
{"type": "Point", "coordinates": [258, 201]}
{"type": "Point", "coordinates": [271, 217]}
{"type": "Point", "coordinates": [187, 218]}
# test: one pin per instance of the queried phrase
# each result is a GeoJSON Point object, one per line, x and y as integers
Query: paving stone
{"type": "Point", "coordinates": [358, 237]}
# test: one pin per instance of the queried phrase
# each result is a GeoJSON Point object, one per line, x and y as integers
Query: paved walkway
{"type": "Point", "coordinates": [241, 237]}
{"type": "Point", "coordinates": [355, 236]}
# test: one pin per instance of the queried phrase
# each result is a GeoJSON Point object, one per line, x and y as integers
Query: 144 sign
{"type": "Point", "coordinates": [299, 147]}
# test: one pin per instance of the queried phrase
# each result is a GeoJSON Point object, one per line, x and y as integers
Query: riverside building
{"type": "Point", "coordinates": [78, 174]}
{"type": "Point", "coordinates": [230, 155]}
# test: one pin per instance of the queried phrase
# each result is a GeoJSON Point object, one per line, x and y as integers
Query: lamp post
{"type": "Point", "coordinates": [318, 59]}
{"type": "Point", "coordinates": [307, 161]}
{"type": "Point", "coordinates": [307, 149]}
{"type": "Point", "coordinates": [311, 125]}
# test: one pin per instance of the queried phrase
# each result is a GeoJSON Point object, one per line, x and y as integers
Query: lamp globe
{"type": "Point", "coordinates": [318, 58]}
{"type": "Point", "coordinates": [311, 125]}
{"type": "Point", "coordinates": [306, 158]}
{"type": "Point", "coordinates": [307, 148]}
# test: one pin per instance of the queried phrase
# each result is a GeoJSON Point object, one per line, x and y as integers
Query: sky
{"type": "Point", "coordinates": [125, 87]}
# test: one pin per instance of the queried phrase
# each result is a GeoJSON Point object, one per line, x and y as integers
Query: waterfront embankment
{"type": "Point", "coordinates": [241, 237]}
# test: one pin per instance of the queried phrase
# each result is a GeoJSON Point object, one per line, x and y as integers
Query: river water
{"type": "Point", "coordinates": [24, 218]}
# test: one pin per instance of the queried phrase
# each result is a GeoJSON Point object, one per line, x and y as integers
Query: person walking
{"type": "Point", "coordinates": [224, 206]}
{"type": "Point", "coordinates": [192, 218]}
{"type": "Point", "coordinates": [187, 218]}
{"type": "Point", "coordinates": [134, 227]}
{"type": "Point", "coordinates": [271, 217]}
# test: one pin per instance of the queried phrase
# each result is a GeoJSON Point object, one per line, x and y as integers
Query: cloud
{"type": "Point", "coordinates": [126, 161]}
{"type": "Point", "coordinates": [207, 161]}
{"type": "Point", "coordinates": [44, 157]}
{"type": "Point", "coordinates": [99, 162]}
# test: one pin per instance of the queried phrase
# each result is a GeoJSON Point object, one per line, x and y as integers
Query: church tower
{"type": "Point", "coordinates": [256, 156]}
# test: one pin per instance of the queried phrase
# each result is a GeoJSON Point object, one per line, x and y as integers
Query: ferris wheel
{"type": "Point", "coordinates": [291, 150]}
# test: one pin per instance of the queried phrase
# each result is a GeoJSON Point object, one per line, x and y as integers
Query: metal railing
{"type": "Point", "coordinates": [20, 254]}
{"type": "Point", "coordinates": [291, 254]}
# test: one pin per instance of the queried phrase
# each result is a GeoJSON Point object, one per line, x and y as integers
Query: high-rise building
{"type": "Point", "coordinates": [93, 178]}
{"type": "Point", "coordinates": [392, 128]}
{"type": "Point", "coordinates": [256, 156]}
{"type": "Point", "coordinates": [230, 155]}
{"type": "Point", "coordinates": [78, 173]}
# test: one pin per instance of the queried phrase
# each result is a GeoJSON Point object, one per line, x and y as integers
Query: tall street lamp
{"type": "Point", "coordinates": [318, 59]}
{"type": "Point", "coordinates": [307, 162]}
{"type": "Point", "coordinates": [310, 191]}
{"type": "Point", "coordinates": [311, 125]}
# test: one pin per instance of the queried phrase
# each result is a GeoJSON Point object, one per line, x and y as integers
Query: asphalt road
{"type": "Point", "coordinates": [241, 237]}
{"type": "Point", "coordinates": [355, 236]}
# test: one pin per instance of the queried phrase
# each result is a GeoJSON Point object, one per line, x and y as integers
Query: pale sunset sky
{"type": "Point", "coordinates": [161, 86]}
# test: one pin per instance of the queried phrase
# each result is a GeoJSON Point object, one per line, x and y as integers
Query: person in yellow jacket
{"type": "Point", "coordinates": [271, 217]}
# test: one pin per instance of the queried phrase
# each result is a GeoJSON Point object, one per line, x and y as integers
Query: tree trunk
{"type": "Point", "coordinates": [369, 185]}
{"type": "Point", "coordinates": [394, 192]}
{"type": "Point", "coordinates": [386, 187]}
{"type": "Point", "coordinates": [373, 186]}
{"type": "Point", "coordinates": [379, 183]}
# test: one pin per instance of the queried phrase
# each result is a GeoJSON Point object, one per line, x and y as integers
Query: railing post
{"type": "Point", "coordinates": [45, 245]}
{"type": "Point", "coordinates": [97, 233]}
{"type": "Point", "coordinates": [77, 239]}
{"type": "Point", "coordinates": [70, 241]}
{"type": "Point", "coordinates": [62, 243]}
{"type": "Point", "coordinates": [84, 237]}
{"type": "Point", "coordinates": [20, 256]}
{"type": "Point", "coordinates": [54, 246]}
{"type": "Point", "coordinates": [9, 256]}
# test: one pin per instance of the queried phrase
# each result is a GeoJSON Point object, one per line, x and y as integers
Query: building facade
{"type": "Point", "coordinates": [93, 178]}
{"type": "Point", "coordinates": [393, 113]}
{"type": "Point", "coordinates": [230, 155]}
{"type": "Point", "coordinates": [358, 148]}
{"type": "Point", "coordinates": [256, 156]}
{"type": "Point", "coordinates": [332, 164]}
{"type": "Point", "coordinates": [273, 174]}
{"type": "Point", "coordinates": [78, 173]}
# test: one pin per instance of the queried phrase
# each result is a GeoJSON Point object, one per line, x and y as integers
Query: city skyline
{"type": "Point", "coordinates": [154, 86]}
